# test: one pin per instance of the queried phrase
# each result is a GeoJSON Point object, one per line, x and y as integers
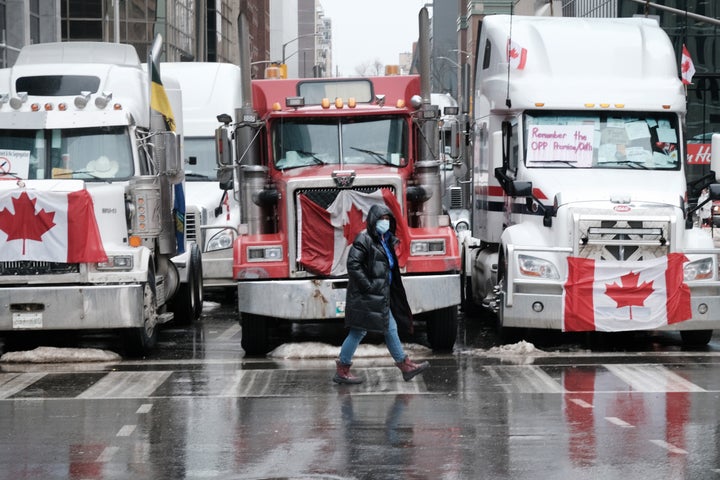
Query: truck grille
{"type": "Point", "coordinates": [456, 197]}
{"type": "Point", "coordinates": [324, 197]}
{"type": "Point", "coordinates": [37, 268]}
{"type": "Point", "coordinates": [192, 216]}
{"type": "Point", "coordinates": [623, 240]}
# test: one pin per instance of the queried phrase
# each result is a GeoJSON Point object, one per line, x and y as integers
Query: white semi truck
{"type": "Point", "coordinates": [91, 195]}
{"type": "Point", "coordinates": [208, 89]}
{"type": "Point", "coordinates": [579, 164]}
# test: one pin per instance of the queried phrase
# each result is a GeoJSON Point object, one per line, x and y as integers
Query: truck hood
{"type": "Point", "coordinates": [620, 186]}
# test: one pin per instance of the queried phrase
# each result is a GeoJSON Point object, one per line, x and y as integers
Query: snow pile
{"type": "Point", "coordinates": [323, 350]}
{"type": "Point", "coordinates": [60, 355]}
{"type": "Point", "coordinates": [520, 348]}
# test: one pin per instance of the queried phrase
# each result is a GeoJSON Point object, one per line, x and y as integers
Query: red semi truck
{"type": "Point", "coordinates": [311, 156]}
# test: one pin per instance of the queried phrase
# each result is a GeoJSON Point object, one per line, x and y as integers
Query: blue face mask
{"type": "Point", "coordinates": [382, 226]}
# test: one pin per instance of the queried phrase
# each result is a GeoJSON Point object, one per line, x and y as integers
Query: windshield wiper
{"type": "Point", "coordinates": [70, 173]}
{"type": "Point", "coordinates": [377, 155]}
{"type": "Point", "coordinates": [312, 155]}
{"type": "Point", "coordinates": [635, 165]}
{"type": "Point", "coordinates": [564, 162]}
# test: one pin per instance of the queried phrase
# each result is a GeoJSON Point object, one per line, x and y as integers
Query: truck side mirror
{"type": "Point", "coordinates": [454, 139]}
{"type": "Point", "coordinates": [223, 147]}
{"type": "Point", "coordinates": [520, 189]}
{"type": "Point", "coordinates": [171, 145]}
{"type": "Point", "coordinates": [715, 155]}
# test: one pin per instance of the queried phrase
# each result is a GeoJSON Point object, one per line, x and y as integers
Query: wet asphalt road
{"type": "Point", "coordinates": [628, 407]}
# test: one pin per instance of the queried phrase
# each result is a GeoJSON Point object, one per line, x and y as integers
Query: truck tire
{"type": "Point", "coordinates": [186, 304]}
{"type": "Point", "coordinates": [255, 338]}
{"type": "Point", "coordinates": [442, 328]}
{"type": "Point", "coordinates": [695, 338]}
{"type": "Point", "coordinates": [140, 341]}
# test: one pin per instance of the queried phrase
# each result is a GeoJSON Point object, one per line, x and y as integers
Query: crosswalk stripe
{"type": "Point", "coordinates": [125, 385]}
{"type": "Point", "coordinates": [525, 379]}
{"type": "Point", "coordinates": [12, 383]}
{"type": "Point", "coordinates": [652, 378]}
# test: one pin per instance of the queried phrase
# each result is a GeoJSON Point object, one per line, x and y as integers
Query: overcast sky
{"type": "Point", "coordinates": [369, 30]}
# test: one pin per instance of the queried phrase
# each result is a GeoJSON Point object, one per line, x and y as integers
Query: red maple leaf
{"type": "Point", "coordinates": [629, 293]}
{"type": "Point", "coordinates": [354, 224]}
{"type": "Point", "coordinates": [25, 224]}
{"type": "Point", "coordinates": [513, 53]}
{"type": "Point", "coordinates": [685, 67]}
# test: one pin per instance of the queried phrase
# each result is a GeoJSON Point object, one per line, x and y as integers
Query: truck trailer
{"type": "Point", "coordinates": [312, 156]}
{"type": "Point", "coordinates": [91, 201]}
{"type": "Point", "coordinates": [580, 216]}
{"type": "Point", "coordinates": [212, 218]}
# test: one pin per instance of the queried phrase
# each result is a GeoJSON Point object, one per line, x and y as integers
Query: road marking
{"type": "Point", "coordinates": [669, 447]}
{"type": "Point", "coordinates": [144, 408]}
{"type": "Point", "coordinates": [582, 403]}
{"type": "Point", "coordinates": [525, 379]}
{"type": "Point", "coordinates": [12, 383]}
{"type": "Point", "coordinates": [229, 333]}
{"type": "Point", "coordinates": [125, 385]}
{"type": "Point", "coordinates": [126, 431]}
{"type": "Point", "coordinates": [652, 378]}
{"type": "Point", "coordinates": [619, 422]}
{"type": "Point", "coordinates": [107, 454]}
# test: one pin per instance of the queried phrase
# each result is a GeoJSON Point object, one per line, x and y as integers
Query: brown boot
{"type": "Point", "coordinates": [409, 369]}
{"type": "Point", "coordinates": [343, 375]}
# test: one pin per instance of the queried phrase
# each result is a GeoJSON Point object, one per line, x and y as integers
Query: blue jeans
{"type": "Point", "coordinates": [355, 336]}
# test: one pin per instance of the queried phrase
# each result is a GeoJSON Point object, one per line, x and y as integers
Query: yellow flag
{"type": "Point", "coordinates": [159, 99]}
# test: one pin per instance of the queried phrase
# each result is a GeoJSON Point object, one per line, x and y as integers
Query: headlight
{"type": "Point", "coordinates": [698, 270]}
{"type": "Point", "coordinates": [264, 254]}
{"type": "Point", "coordinates": [220, 241]}
{"type": "Point", "coordinates": [537, 267]}
{"type": "Point", "coordinates": [427, 247]}
{"type": "Point", "coordinates": [117, 262]}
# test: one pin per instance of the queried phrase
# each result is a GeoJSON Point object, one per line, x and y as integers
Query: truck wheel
{"type": "Point", "coordinates": [695, 338]}
{"type": "Point", "coordinates": [141, 341]}
{"type": "Point", "coordinates": [442, 328]}
{"type": "Point", "coordinates": [186, 305]}
{"type": "Point", "coordinates": [255, 334]}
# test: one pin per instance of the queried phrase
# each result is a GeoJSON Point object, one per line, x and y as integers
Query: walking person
{"type": "Point", "coordinates": [376, 300]}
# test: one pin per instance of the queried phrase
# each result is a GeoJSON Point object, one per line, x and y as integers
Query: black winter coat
{"type": "Point", "coordinates": [369, 294]}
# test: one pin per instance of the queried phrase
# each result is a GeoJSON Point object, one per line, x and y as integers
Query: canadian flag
{"type": "Point", "coordinates": [620, 296]}
{"type": "Point", "coordinates": [516, 55]}
{"type": "Point", "coordinates": [326, 234]}
{"type": "Point", "coordinates": [687, 67]}
{"type": "Point", "coordinates": [49, 227]}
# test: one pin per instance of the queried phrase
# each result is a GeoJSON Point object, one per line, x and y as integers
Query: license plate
{"type": "Point", "coordinates": [27, 320]}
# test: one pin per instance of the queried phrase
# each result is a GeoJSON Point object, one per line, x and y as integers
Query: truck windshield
{"type": "Point", "coordinates": [627, 140]}
{"type": "Point", "coordinates": [86, 153]}
{"type": "Point", "coordinates": [318, 141]}
{"type": "Point", "coordinates": [203, 168]}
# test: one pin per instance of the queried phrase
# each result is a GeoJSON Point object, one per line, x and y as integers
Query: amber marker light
{"type": "Point", "coordinates": [351, 102]}
{"type": "Point", "coordinates": [276, 107]}
{"type": "Point", "coordinates": [325, 103]}
{"type": "Point", "coordinates": [539, 104]}
{"type": "Point", "coordinates": [134, 241]}
{"type": "Point", "coordinates": [338, 102]}
{"type": "Point", "coordinates": [619, 105]}
{"type": "Point", "coordinates": [62, 107]}
{"type": "Point", "coordinates": [400, 103]}
{"type": "Point", "coordinates": [589, 105]}
{"type": "Point", "coordinates": [35, 107]}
